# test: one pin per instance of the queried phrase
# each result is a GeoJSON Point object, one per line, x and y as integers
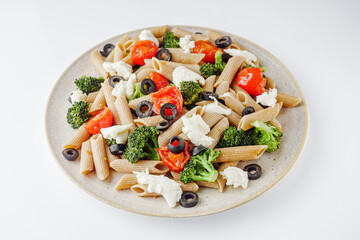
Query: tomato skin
{"type": "Point", "coordinates": [169, 94]}
{"type": "Point", "coordinates": [141, 50]}
{"type": "Point", "coordinates": [159, 80]}
{"type": "Point", "coordinates": [103, 119]}
{"type": "Point", "coordinates": [175, 162]}
{"type": "Point", "coordinates": [206, 48]}
{"type": "Point", "coordinates": [251, 80]}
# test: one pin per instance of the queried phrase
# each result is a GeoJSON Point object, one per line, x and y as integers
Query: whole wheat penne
{"type": "Point", "coordinates": [97, 60]}
{"type": "Point", "coordinates": [234, 104]}
{"type": "Point", "coordinates": [98, 103]}
{"type": "Point", "coordinates": [86, 158]}
{"type": "Point", "coordinates": [222, 88]}
{"type": "Point", "coordinates": [213, 185]}
{"type": "Point", "coordinates": [178, 55]}
{"type": "Point", "coordinates": [192, 67]}
{"type": "Point", "coordinates": [163, 69]}
{"type": "Point", "coordinates": [77, 138]}
{"type": "Point", "coordinates": [175, 175]}
{"type": "Point", "coordinates": [128, 60]}
{"type": "Point", "coordinates": [235, 45]}
{"type": "Point", "coordinates": [220, 180]}
{"type": "Point", "coordinates": [192, 187]}
{"type": "Point", "coordinates": [124, 166]}
{"type": "Point", "coordinates": [143, 67]}
{"type": "Point", "coordinates": [160, 31]}
{"type": "Point", "coordinates": [110, 57]}
{"type": "Point", "coordinates": [110, 156]}
{"type": "Point", "coordinates": [242, 153]}
{"type": "Point", "coordinates": [270, 83]}
{"type": "Point", "coordinates": [232, 92]}
{"type": "Point", "coordinates": [128, 44]}
{"type": "Point", "coordinates": [230, 70]}
{"type": "Point", "coordinates": [211, 118]}
{"type": "Point", "coordinates": [124, 112]}
{"type": "Point", "coordinates": [233, 117]}
{"type": "Point", "coordinates": [182, 33]}
{"type": "Point", "coordinates": [135, 102]}
{"type": "Point", "coordinates": [91, 97]}
{"type": "Point", "coordinates": [110, 102]}
{"type": "Point", "coordinates": [99, 156]}
{"type": "Point", "coordinates": [126, 181]}
{"type": "Point", "coordinates": [288, 100]}
{"type": "Point", "coordinates": [149, 121]}
{"type": "Point", "coordinates": [119, 52]}
{"type": "Point", "coordinates": [141, 191]}
{"type": "Point", "coordinates": [209, 84]}
{"type": "Point", "coordinates": [264, 115]}
{"type": "Point", "coordinates": [136, 38]}
{"type": "Point", "coordinates": [183, 136]}
{"type": "Point", "coordinates": [213, 35]}
{"type": "Point", "coordinates": [217, 131]}
{"type": "Point", "coordinates": [144, 73]}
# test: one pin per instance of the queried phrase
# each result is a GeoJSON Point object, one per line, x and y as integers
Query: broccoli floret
{"type": "Point", "coordinates": [233, 137]}
{"type": "Point", "coordinates": [88, 84]}
{"type": "Point", "coordinates": [78, 114]}
{"type": "Point", "coordinates": [209, 69]}
{"type": "Point", "coordinates": [190, 92]}
{"type": "Point", "coordinates": [142, 143]}
{"type": "Point", "coordinates": [110, 142]}
{"type": "Point", "coordinates": [266, 134]}
{"type": "Point", "coordinates": [170, 40]}
{"type": "Point", "coordinates": [200, 168]}
{"type": "Point", "coordinates": [137, 93]}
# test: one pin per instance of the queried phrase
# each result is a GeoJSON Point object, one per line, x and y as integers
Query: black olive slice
{"type": "Point", "coordinates": [254, 171]}
{"type": "Point", "coordinates": [70, 154]}
{"type": "Point", "coordinates": [117, 149]}
{"type": "Point", "coordinates": [263, 106]}
{"type": "Point", "coordinates": [223, 41]}
{"type": "Point", "coordinates": [225, 57]}
{"type": "Point", "coordinates": [205, 95]}
{"type": "Point", "coordinates": [163, 54]}
{"type": "Point", "coordinates": [115, 79]}
{"type": "Point", "coordinates": [69, 99]}
{"type": "Point", "coordinates": [221, 101]}
{"type": "Point", "coordinates": [140, 107]}
{"type": "Point", "coordinates": [147, 86]}
{"type": "Point", "coordinates": [107, 49]}
{"type": "Point", "coordinates": [171, 107]}
{"type": "Point", "coordinates": [179, 147]}
{"type": "Point", "coordinates": [163, 125]}
{"type": "Point", "coordinates": [188, 199]}
{"type": "Point", "coordinates": [248, 110]}
{"type": "Point", "coordinates": [196, 150]}
{"type": "Point", "coordinates": [198, 33]}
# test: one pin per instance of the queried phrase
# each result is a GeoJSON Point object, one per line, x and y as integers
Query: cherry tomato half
{"type": "Point", "coordinates": [206, 48]}
{"type": "Point", "coordinates": [141, 50]}
{"type": "Point", "coordinates": [251, 80]}
{"type": "Point", "coordinates": [175, 162]}
{"type": "Point", "coordinates": [103, 119]}
{"type": "Point", "coordinates": [169, 94]}
{"type": "Point", "coordinates": [159, 80]}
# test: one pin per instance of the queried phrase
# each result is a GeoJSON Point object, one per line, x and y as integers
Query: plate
{"type": "Point", "coordinates": [274, 165]}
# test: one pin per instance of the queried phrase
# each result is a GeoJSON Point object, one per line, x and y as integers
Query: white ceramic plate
{"type": "Point", "coordinates": [274, 165]}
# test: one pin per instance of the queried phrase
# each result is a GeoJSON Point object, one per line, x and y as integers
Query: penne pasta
{"type": "Point", "coordinates": [163, 69]}
{"type": "Point", "coordinates": [222, 88]}
{"type": "Point", "coordinates": [124, 166]}
{"type": "Point", "coordinates": [211, 118]}
{"type": "Point", "coordinates": [86, 158]}
{"type": "Point", "coordinates": [122, 107]}
{"type": "Point", "coordinates": [209, 84]}
{"type": "Point", "coordinates": [192, 67]}
{"type": "Point", "coordinates": [128, 60]}
{"type": "Point", "coordinates": [178, 55]}
{"type": "Point", "coordinates": [229, 71]}
{"type": "Point", "coordinates": [141, 191]}
{"type": "Point", "coordinates": [144, 73]}
{"type": "Point", "coordinates": [233, 117]}
{"type": "Point", "coordinates": [234, 104]}
{"type": "Point", "coordinates": [242, 153]}
{"type": "Point", "coordinates": [288, 100]}
{"type": "Point", "coordinates": [149, 121]}
{"type": "Point", "coordinates": [160, 31]}
{"type": "Point", "coordinates": [109, 156]}
{"type": "Point", "coordinates": [213, 35]}
{"type": "Point", "coordinates": [126, 181]}
{"type": "Point", "coordinates": [217, 131]}
{"type": "Point", "coordinates": [269, 83]}
{"type": "Point", "coordinates": [135, 102]}
{"type": "Point", "coordinates": [99, 102]}
{"type": "Point", "coordinates": [220, 180]}
{"type": "Point", "coordinates": [128, 44]}
{"type": "Point", "coordinates": [97, 60]}
{"type": "Point", "coordinates": [119, 52]}
{"type": "Point", "coordinates": [110, 102]}
{"type": "Point", "coordinates": [99, 156]}
{"type": "Point", "coordinates": [214, 185]}
{"type": "Point", "coordinates": [91, 97]}
{"type": "Point", "coordinates": [175, 175]}
{"type": "Point", "coordinates": [80, 136]}
{"type": "Point", "coordinates": [182, 33]}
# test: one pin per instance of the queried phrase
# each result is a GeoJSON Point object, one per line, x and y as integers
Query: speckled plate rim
{"type": "Point", "coordinates": [297, 155]}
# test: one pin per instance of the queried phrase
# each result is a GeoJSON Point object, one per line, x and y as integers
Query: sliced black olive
{"type": "Point", "coordinates": [205, 95]}
{"type": "Point", "coordinates": [196, 150]}
{"type": "Point", "coordinates": [221, 101]}
{"type": "Point", "coordinates": [225, 57]}
{"type": "Point", "coordinates": [107, 49]}
{"type": "Point", "coordinates": [263, 106]}
{"type": "Point", "coordinates": [147, 86]}
{"type": "Point", "coordinates": [198, 33]}
{"type": "Point", "coordinates": [254, 171]}
{"type": "Point", "coordinates": [223, 41]}
{"type": "Point", "coordinates": [163, 125]}
{"type": "Point", "coordinates": [140, 107]}
{"type": "Point", "coordinates": [115, 79]}
{"type": "Point", "coordinates": [69, 99]}
{"type": "Point", "coordinates": [70, 154]}
{"type": "Point", "coordinates": [188, 199]}
{"type": "Point", "coordinates": [179, 147]}
{"type": "Point", "coordinates": [171, 107]}
{"type": "Point", "coordinates": [247, 110]}
{"type": "Point", "coordinates": [163, 54]}
{"type": "Point", "coordinates": [117, 149]}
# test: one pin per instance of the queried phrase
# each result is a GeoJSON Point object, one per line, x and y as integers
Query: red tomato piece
{"type": "Point", "coordinates": [175, 162]}
{"type": "Point", "coordinates": [206, 48]}
{"type": "Point", "coordinates": [103, 119]}
{"type": "Point", "coordinates": [251, 80]}
{"type": "Point", "coordinates": [169, 94]}
{"type": "Point", "coordinates": [141, 50]}
{"type": "Point", "coordinates": [159, 80]}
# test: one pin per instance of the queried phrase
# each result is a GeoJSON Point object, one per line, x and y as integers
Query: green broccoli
{"type": "Point", "coordinates": [88, 84]}
{"type": "Point", "coordinates": [110, 142]}
{"type": "Point", "coordinates": [200, 168]}
{"type": "Point", "coordinates": [142, 143]}
{"type": "Point", "coordinates": [233, 137]}
{"type": "Point", "coordinates": [266, 134]}
{"type": "Point", "coordinates": [209, 69]}
{"type": "Point", "coordinates": [78, 114]}
{"type": "Point", "coordinates": [190, 92]}
{"type": "Point", "coordinates": [170, 41]}
{"type": "Point", "coordinates": [137, 93]}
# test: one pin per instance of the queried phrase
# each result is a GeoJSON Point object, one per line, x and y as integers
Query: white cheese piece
{"type": "Point", "coordinates": [160, 184]}
{"type": "Point", "coordinates": [267, 99]}
{"type": "Point", "coordinates": [182, 73]}
{"type": "Point", "coordinates": [216, 108]}
{"type": "Point", "coordinates": [118, 68]}
{"type": "Point", "coordinates": [225, 95]}
{"type": "Point", "coordinates": [195, 128]}
{"type": "Point", "coordinates": [125, 88]}
{"type": "Point", "coordinates": [118, 132]}
{"type": "Point", "coordinates": [147, 35]}
{"type": "Point", "coordinates": [77, 96]}
{"type": "Point", "coordinates": [249, 57]}
{"type": "Point", "coordinates": [235, 176]}
{"type": "Point", "coordinates": [186, 43]}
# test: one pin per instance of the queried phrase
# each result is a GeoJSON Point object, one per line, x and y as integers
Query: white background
{"type": "Point", "coordinates": [319, 41]}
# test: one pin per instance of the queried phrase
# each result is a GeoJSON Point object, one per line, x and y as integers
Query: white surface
{"type": "Point", "coordinates": [318, 42]}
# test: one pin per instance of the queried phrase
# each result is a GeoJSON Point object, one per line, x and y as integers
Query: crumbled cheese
{"type": "Point", "coordinates": [186, 43]}
{"type": "Point", "coordinates": [195, 128]}
{"type": "Point", "coordinates": [227, 94]}
{"type": "Point", "coordinates": [267, 99]}
{"type": "Point", "coordinates": [147, 35]}
{"type": "Point", "coordinates": [235, 176]}
{"type": "Point", "coordinates": [181, 74]}
{"type": "Point", "coordinates": [160, 184]}
{"type": "Point", "coordinates": [125, 88]}
{"type": "Point", "coordinates": [249, 57]}
{"type": "Point", "coordinates": [215, 108]}
{"type": "Point", "coordinates": [118, 68]}
{"type": "Point", "coordinates": [77, 96]}
{"type": "Point", "coordinates": [118, 132]}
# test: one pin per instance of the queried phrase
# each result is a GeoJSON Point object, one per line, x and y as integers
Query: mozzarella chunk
{"type": "Point", "coordinates": [118, 68]}
{"type": "Point", "coordinates": [186, 43]}
{"type": "Point", "coordinates": [249, 57]}
{"type": "Point", "coordinates": [195, 128]}
{"type": "Point", "coordinates": [147, 35]}
{"type": "Point", "coordinates": [235, 176]}
{"type": "Point", "coordinates": [125, 88]}
{"type": "Point", "coordinates": [118, 132]}
{"type": "Point", "coordinates": [216, 108]}
{"type": "Point", "coordinates": [182, 73]}
{"type": "Point", "coordinates": [77, 96]}
{"type": "Point", "coordinates": [267, 99]}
